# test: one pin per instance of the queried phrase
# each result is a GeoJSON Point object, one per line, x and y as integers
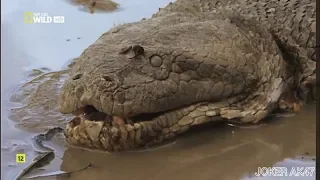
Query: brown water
{"type": "Point", "coordinates": [221, 152]}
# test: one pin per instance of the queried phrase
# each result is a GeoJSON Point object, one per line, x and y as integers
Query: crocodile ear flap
{"type": "Point", "coordinates": [132, 51]}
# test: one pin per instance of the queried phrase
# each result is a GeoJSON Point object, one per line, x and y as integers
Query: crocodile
{"type": "Point", "coordinates": [191, 63]}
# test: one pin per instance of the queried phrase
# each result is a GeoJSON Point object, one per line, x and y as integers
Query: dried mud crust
{"type": "Point", "coordinates": [191, 63]}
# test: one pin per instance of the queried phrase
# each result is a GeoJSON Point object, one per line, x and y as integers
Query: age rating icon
{"type": "Point", "coordinates": [20, 158]}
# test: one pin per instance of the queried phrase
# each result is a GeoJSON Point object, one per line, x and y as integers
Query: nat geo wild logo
{"type": "Point", "coordinates": [42, 18]}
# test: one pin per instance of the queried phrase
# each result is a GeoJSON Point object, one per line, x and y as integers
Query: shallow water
{"type": "Point", "coordinates": [29, 99]}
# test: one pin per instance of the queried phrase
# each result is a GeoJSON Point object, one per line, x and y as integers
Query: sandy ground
{"type": "Point", "coordinates": [221, 152]}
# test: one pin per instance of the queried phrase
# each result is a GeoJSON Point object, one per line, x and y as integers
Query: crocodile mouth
{"type": "Point", "coordinates": [92, 129]}
{"type": "Point", "coordinates": [96, 130]}
{"type": "Point", "coordinates": [90, 113]}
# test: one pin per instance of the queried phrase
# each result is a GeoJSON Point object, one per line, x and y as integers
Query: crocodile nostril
{"type": "Point", "coordinates": [78, 76]}
{"type": "Point", "coordinates": [133, 51]}
{"type": "Point", "coordinates": [138, 50]}
{"type": "Point", "coordinates": [107, 78]}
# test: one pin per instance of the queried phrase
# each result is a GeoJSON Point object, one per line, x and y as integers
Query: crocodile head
{"type": "Point", "coordinates": [141, 72]}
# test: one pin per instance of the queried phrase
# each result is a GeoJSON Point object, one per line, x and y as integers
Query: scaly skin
{"type": "Point", "coordinates": [194, 61]}
{"type": "Point", "coordinates": [291, 22]}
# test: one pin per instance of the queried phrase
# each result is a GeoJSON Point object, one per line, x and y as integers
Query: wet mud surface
{"type": "Point", "coordinates": [220, 151]}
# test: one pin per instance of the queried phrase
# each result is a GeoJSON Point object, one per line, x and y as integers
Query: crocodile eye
{"type": "Point", "coordinates": [314, 57]}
